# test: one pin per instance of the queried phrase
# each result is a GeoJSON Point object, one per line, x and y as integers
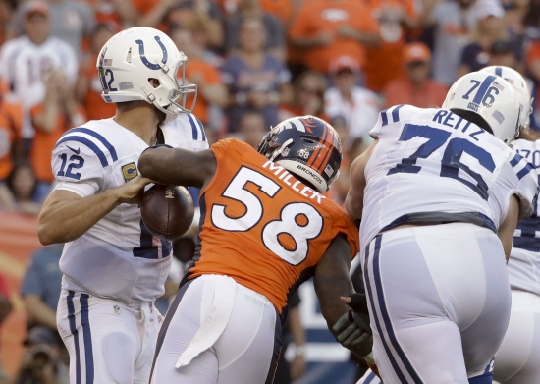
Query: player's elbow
{"type": "Point", "coordinates": [47, 233]}
{"type": "Point", "coordinates": [44, 235]}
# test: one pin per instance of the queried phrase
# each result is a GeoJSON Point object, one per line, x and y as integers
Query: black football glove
{"type": "Point", "coordinates": [353, 330]}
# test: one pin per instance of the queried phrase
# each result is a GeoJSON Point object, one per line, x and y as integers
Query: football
{"type": "Point", "coordinates": [167, 211]}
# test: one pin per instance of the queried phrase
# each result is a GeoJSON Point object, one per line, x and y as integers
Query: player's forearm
{"type": "Point", "coordinates": [62, 219]}
{"type": "Point", "coordinates": [329, 300]}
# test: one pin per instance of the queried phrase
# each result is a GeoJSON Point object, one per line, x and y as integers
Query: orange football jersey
{"type": "Point", "coordinates": [262, 226]}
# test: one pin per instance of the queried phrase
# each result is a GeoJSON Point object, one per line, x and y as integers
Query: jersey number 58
{"type": "Point", "coordinates": [299, 221]}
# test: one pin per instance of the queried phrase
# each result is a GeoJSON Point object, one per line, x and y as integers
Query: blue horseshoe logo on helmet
{"type": "Point", "coordinates": [146, 63]}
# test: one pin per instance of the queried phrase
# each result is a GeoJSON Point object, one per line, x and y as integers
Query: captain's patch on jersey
{"type": "Point", "coordinates": [129, 171]}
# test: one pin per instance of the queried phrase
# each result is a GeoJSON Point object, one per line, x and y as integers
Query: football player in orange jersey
{"type": "Point", "coordinates": [265, 228]}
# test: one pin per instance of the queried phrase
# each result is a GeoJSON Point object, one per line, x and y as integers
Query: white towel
{"type": "Point", "coordinates": [216, 320]}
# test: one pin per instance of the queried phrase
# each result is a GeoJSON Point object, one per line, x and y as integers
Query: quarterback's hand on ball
{"type": "Point", "coordinates": [132, 191]}
{"type": "Point", "coordinates": [353, 330]}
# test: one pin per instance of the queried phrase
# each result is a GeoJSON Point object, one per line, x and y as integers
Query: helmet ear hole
{"type": "Point", "coordinates": [154, 82]}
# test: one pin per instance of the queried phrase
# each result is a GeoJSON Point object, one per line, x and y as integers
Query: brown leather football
{"type": "Point", "coordinates": [167, 212]}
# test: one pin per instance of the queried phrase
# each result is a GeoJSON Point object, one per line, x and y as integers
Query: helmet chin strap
{"type": "Point", "coordinates": [278, 151]}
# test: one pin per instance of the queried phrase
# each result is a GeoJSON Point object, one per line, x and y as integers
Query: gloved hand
{"type": "Point", "coordinates": [352, 329]}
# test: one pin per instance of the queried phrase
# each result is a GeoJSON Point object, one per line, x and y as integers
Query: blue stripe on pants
{"type": "Point", "coordinates": [75, 333]}
{"type": "Point", "coordinates": [386, 317]}
{"type": "Point", "coordinates": [87, 340]}
{"type": "Point", "coordinates": [393, 361]}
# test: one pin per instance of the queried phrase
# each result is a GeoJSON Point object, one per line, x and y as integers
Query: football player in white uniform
{"type": "Point", "coordinates": [439, 193]}
{"type": "Point", "coordinates": [517, 359]}
{"type": "Point", "coordinates": [113, 267]}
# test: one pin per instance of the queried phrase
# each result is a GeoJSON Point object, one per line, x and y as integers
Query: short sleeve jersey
{"type": "Point", "coordinates": [432, 161]}
{"type": "Point", "coordinates": [118, 257]}
{"type": "Point", "coordinates": [262, 226]}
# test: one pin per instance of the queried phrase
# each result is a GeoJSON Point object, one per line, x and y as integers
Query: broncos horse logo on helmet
{"type": "Point", "coordinates": [307, 146]}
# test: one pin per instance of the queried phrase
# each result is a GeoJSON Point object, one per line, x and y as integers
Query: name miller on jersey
{"type": "Point", "coordinates": [285, 176]}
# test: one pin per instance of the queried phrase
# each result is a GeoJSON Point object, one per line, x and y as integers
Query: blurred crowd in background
{"type": "Point", "coordinates": [255, 62]}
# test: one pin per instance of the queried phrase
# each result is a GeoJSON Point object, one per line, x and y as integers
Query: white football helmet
{"type": "Point", "coordinates": [133, 56]}
{"type": "Point", "coordinates": [490, 97]}
{"type": "Point", "coordinates": [521, 88]}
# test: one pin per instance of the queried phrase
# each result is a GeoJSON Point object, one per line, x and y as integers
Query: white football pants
{"type": "Point", "coordinates": [218, 332]}
{"type": "Point", "coordinates": [109, 342]}
{"type": "Point", "coordinates": [439, 301]}
{"type": "Point", "coordinates": [518, 359]}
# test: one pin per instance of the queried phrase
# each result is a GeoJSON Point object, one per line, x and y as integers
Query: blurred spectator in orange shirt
{"type": "Point", "coordinates": [308, 97]}
{"type": "Point", "coordinates": [88, 87]}
{"type": "Point", "coordinates": [11, 118]}
{"type": "Point", "coordinates": [274, 42]}
{"type": "Point", "coordinates": [385, 62]}
{"type": "Point", "coordinates": [52, 118]}
{"type": "Point", "coordinates": [326, 29]}
{"type": "Point", "coordinates": [283, 9]}
{"type": "Point", "coordinates": [164, 13]}
{"type": "Point", "coordinates": [417, 88]}
{"type": "Point", "coordinates": [210, 89]}
{"type": "Point", "coordinates": [358, 105]}
{"type": "Point", "coordinates": [23, 186]}
{"type": "Point", "coordinates": [117, 12]}
{"type": "Point", "coordinates": [252, 128]}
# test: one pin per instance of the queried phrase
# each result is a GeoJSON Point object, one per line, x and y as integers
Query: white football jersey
{"type": "Point", "coordinates": [117, 258]}
{"type": "Point", "coordinates": [431, 160]}
{"type": "Point", "coordinates": [524, 264]}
